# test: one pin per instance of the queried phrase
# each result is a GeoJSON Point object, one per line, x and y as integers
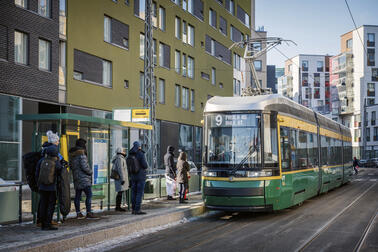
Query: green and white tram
{"type": "Point", "coordinates": [269, 153]}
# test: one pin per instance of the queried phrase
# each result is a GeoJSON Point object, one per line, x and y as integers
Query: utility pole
{"type": "Point", "coordinates": [149, 92]}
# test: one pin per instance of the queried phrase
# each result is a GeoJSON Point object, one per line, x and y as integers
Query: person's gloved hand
{"type": "Point", "coordinates": [123, 182]}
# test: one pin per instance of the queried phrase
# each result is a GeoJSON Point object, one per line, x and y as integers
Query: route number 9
{"type": "Point", "coordinates": [218, 120]}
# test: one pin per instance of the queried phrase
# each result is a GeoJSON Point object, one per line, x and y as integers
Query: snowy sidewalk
{"type": "Point", "coordinates": [75, 233]}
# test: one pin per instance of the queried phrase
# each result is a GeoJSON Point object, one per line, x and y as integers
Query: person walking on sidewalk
{"type": "Point", "coordinates": [170, 172]}
{"type": "Point", "coordinates": [137, 165]}
{"type": "Point", "coordinates": [121, 184]}
{"type": "Point", "coordinates": [82, 177]}
{"type": "Point", "coordinates": [355, 165]}
{"type": "Point", "coordinates": [46, 173]}
{"type": "Point", "coordinates": [182, 175]}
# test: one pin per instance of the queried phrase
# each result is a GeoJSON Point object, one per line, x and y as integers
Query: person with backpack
{"type": "Point", "coordinates": [355, 165]}
{"type": "Point", "coordinates": [120, 176]}
{"type": "Point", "coordinates": [137, 166]}
{"type": "Point", "coordinates": [170, 172]}
{"type": "Point", "coordinates": [46, 173]}
{"type": "Point", "coordinates": [182, 175]}
{"type": "Point", "coordinates": [82, 177]}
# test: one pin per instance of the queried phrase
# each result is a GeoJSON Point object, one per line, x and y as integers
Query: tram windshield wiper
{"type": "Point", "coordinates": [252, 149]}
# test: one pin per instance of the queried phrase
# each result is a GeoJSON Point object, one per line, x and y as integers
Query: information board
{"type": "Point", "coordinates": [100, 161]}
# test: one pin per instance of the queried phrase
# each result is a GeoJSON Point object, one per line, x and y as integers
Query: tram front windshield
{"type": "Point", "coordinates": [233, 140]}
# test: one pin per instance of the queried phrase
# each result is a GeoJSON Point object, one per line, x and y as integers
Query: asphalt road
{"type": "Point", "coordinates": [344, 219]}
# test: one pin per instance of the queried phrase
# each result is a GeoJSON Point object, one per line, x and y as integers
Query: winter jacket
{"type": "Point", "coordinates": [170, 168]}
{"type": "Point", "coordinates": [139, 154]}
{"type": "Point", "coordinates": [51, 150]}
{"type": "Point", "coordinates": [81, 171]}
{"type": "Point", "coordinates": [182, 169]}
{"type": "Point", "coordinates": [119, 165]}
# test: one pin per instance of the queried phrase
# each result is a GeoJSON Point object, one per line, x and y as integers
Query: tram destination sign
{"type": "Point", "coordinates": [233, 120]}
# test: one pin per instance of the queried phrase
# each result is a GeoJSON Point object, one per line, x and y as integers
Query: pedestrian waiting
{"type": "Point", "coordinates": [182, 175]}
{"type": "Point", "coordinates": [82, 177]}
{"type": "Point", "coordinates": [137, 166]}
{"type": "Point", "coordinates": [170, 172]}
{"type": "Point", "coordinates": [120, 176]}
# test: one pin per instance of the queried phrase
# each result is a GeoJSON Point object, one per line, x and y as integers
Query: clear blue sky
{"type": "Point", "coordinates": [315, 25]}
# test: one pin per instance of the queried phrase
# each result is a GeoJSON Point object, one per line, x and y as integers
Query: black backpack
{"type": "Point", "coordinates": [132, 164]}
{"type": "Point", "coordinates": [30, 161]}
{"type": "Point", "coordinates": [47, 171]}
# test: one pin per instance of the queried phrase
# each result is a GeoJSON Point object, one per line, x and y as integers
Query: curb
{"type": "Point", "coordinates": [124, 229]}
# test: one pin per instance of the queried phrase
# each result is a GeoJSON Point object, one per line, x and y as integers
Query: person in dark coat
{"type": "Point", "coordinates": [182, 175]}
{"type": "Point", "coordinates": [138, 180]}
{"type": "Point", "coordinates": [121, 184]}
{"type": "Point", "coordinates": [48, 192]}
{"type": "Point", "coordinates": [170, 172]}
{"type": "Point", "coordinates": [82, 177]}
{"type": "Point", "coordinates": [355, 165]}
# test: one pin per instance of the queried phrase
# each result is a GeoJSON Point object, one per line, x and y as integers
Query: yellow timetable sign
{"type": "Point", "coordinates": [140, 115]}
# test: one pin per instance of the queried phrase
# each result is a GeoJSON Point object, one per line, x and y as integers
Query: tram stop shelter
{"type": "Point", "coordinates": [103, 137]}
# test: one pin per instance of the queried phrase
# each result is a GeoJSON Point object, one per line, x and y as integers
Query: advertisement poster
{"type": "Point", "coordinates": [100, 161]}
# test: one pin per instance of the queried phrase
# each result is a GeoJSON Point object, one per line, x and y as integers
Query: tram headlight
{"type": "Point", "coordinates": [259, 173]}
{"type": "Point", "coordinates": [209, 174]}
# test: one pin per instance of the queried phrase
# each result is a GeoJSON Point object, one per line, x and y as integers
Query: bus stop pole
{"type": "Point", "coordinates": [109, 157]}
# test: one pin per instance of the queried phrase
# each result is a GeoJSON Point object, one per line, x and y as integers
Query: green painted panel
{"type": "Point", "coordinates": [234, 201]}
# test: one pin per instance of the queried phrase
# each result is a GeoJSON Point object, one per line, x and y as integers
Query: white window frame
{"type": "Point", "coordinates": [213, 76]}
{"type": "Point", "coordinates": [21, 3]}
{"type": "Point", "coordinates": [177, 95]}
{"type": "Point", "coordinates": [141, 45]}
{"type": "Point", "coordinates": [211, 13]}
{"type": "Point", "coordinates": [106, 73]}
{"type": "Point", "coordinates": [184, 32]}
{"type": "Point", "coordinates": [191, 6]}
{"type": "Point", "coordinates": [212, 47]}
{"type": "Point", "coordinates": [141, 84]}
{"type": "Point", "coordinates": [185, 98]}
{"type": "Point", "coordinates": [177, 61]}
{"type": "Point", "coordinates": [190, 67]}
{"type": "Point", "coordinates": [62, 62]}
{"type": "Point", "coordinates": [184, 64]}
{"type": "Point", "coordinates": [259, 66]}
{"type": "Point", "coordinates": [191, 35]}
{"type": "Point", "coordinates": [162, 18]}
{"type": "Point", "coordinates": [21, 47]}
{"type": "Point", "coordinates": [177, 27]}
{"type": "Point", "coordinates": [192, 101]}
{"type": "Point", "coordinates": [162, 91]}
{"type": "Point", "coordinates": [107, 29]}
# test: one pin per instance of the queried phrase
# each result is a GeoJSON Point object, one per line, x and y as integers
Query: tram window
{"type": "Point", "coordinates": [293, 147]}
{"type": "Point", "coordinates": [339, 152]}
{"type": "Point", "coordinates": [301, 150]}
{"type": "Point", "coordinates": [332, 152]}
{"type": "Point", "coordinates": [285, 149]}
{"type": "Point", "coordinates": [270, 142]}
{"type": "Point", "coordinates": [312, 145]}
{"type": "Point", "coordinates": [324, 150]}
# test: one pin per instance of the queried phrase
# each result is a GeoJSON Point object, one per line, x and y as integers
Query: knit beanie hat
{"type": "Point", "coordinates": [81, 143]}
{"type": "Point", "coordinates": [52, 138]}
{"type": "Point", "coordinates": [136, 144]}
{"type": "Point", "coordinates": [120, 150]}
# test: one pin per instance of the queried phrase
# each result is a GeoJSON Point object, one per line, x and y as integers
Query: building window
{"type": "Point", "coordinates": [190, 6]}
{"type": "Point", "coordinates": [370, 101]}
{"type": "Point", "coordinates": [178, 27]}
{"type": "Point", "coordinates": [141, 84]}
{"type": "Point", "coordinates": [349, 43]}
{"type": "Point", "coordinates": [258, 65]}
{"type": "Point", "coordinates": [154, 14]}
{"type": "Point", "coordinates": [177, 95]}
{"type": "Point", "coordinates": [177, 62]}
{"type": "Point", "coordinates": [212, 18]}
{"type": "Point", "coordinates": [141, 46]}
{"type": "Point", "coordinates": [205, 76]}
{"type": "Point", "coordinates": [21, 47]}
{"type": "Point", "coordinates": [305, 65]}
{"type": "Point", "coordinates": [184, 64]}
{"type": "Point", "coordinates": [373, 117]}
{"type": "Point", "coordinates": [290, 68]}
{"type": "Point", "coordinates": [44, 8]}
{"type": "Point", "coordinates": [44, 55]}
{"type": "Point", "coordinates": [126, 84]}
{"type": "Point", "coordinates": [164, 54]}
{"type": "Point", "coordinates": [308, 93]}
{"type": "Point", "coordinates": [230, 6]}
{"type": "Point", "coordinates": [106, 73]}
{"type": "Point", "coordinates": [319, 66]}
{"type": "Point", "coordinates": [185, 5]}
{"type": "Point", "coordinates": [184, 32]}
{"type": "Point", "coordinates": [155, 52]}
{"type": "Point", "coordinates": [107, 29]}
{"type": "Point", "coordinates": [371, 57]}
{"type": "Point", "coordinates": [176, 2]}
{"type": "Point", "coordinates": [375, 137]}
{"type": "Point", "coordinates": [190, 67]}
{"type": "Point", "coordinates": [374, 74]}
{"type": "Point", "coordinates": [371, 89]}
{"type": "Point", "coordinates": [161, 91]}
{"type": "Point", "coordinates": [141, 8]}
{"type": "Point", "coordinates": [316, 79]}
{"type": "Point", "coordinates": [368, 134]}
{"type": "Point", "coordinates": [237, 60]}
{"type": "Point", "coordinates": [22, 3]}
{"type": "Point", "coordinates": [212, 47]}
{"type": "Point", "coordinates": [191, 35]}
{"type": "Point", "coordinates": [162, 18]}
{"type": "Point", "coordinates": [62, 62]}
{"type": "Point", "coordinates": [192, 103]}
{"type": "Point", "coordinates": [185, 98]}
{"type": "Point", "coordinates": [371, 39]}
{"type": "Point", "coordinates": [316, 93]}
{"type": "Point", "coordinates": [213, 76]}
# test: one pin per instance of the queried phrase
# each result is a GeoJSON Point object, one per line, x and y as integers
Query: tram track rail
{"type": "Point", "coordinates": [329, 223]}
{"type": "Point", "coordinates": [366, 232]}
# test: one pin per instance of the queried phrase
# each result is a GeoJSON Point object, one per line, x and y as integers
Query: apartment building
{"type": "Point", "coordinates": [354, 77]}
{"type": "Point", "coordinates": [307, 81]}
{"type": "Point", "coordinates": [87, 58]}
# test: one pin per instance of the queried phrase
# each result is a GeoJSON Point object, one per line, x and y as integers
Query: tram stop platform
{"type": "Point", "coordinates": [74, 233]}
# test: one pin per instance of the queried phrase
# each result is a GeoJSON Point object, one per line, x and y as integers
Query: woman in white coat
{"type": "Point", "coordinates": [121, 184]}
